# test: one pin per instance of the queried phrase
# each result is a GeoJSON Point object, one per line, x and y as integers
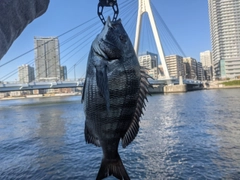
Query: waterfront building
{"type": "Point", "coordinates": [208, 73]}
{"type": "Point", "coordinates": [16, 93]}
{"type": "Point", "coordinates": [148, 60]}
{"type": "Point", "coordinates": [161, 72]}
{"type": "Point", "coordinates": [39, 91]}
{"type": "Point", "coordinates": [200, 72]}
{"type": "Point", "coordinates": [175, 65]}
{"type": "Point", "coordinates": [63, 73]}
{"type": "Point", "coordinates": [224, 18]}
{"type": "Point", "coordinates": [66, 90]}
{"type": "Point", "coordinates": [206, 58]}
{"type": "Point", "coordinates": [26, 74]}
{"type": "Point", "coordinates": [154, 72]}
{"type": "Point", "coordinates": [53, 91]}
{"type": "Point", "coordinates": [190, 67]}
{"type": "Point", "coordinates": [47, 58]}
{"type": "Point", "coordinates": [3, 95]}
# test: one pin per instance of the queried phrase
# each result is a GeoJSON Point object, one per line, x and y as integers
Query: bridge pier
{"type": "Point", "coordinates": [168, 89]}
{"type": "Point", "coordinates": [175, 88]}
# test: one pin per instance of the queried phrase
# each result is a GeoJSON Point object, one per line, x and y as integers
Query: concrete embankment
{"type": "Point", "coordinates": [40, 96]}
{"type": "Point", "coordinates": [223, 87]}
{"type": "Point", "coordinates": [168, 89]}
{"type": "Point", "coordinates": [34, 96]}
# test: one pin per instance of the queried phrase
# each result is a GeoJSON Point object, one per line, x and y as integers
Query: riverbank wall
{"type": "Point", "coordinates": [168, 89]}
{"type": "Point", "coordinates": [39, 96]}
{"type": "Point", "coordinates": [223, 87]}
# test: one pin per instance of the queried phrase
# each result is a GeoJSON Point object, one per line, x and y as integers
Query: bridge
{"type": "Point", "coordinates": [144, 7]}
{"type": "Point", "coordinates": [6, 87]}
{"type": "Point", "coordinates": [39, 85]}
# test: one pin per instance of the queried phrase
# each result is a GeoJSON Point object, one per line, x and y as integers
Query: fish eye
{"type": "Point", "coordinates": [122, 38]}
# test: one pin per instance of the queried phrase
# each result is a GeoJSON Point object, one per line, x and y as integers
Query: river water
{"type": "Point", "coordinates": [194, 135]}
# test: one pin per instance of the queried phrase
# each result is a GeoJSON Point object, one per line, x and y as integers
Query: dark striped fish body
{"type": "Point", "coordinates": [113, 95]}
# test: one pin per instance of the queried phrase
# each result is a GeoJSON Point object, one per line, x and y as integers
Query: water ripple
{"type": "Point", "coordinates": [182, 136]}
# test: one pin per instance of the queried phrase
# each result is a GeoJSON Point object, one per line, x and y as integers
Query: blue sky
{"type": "Point", "coordinates": [187, 20]}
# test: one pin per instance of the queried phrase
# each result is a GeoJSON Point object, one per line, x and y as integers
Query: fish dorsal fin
{"type": "Point", "coordinates": [142, 96]}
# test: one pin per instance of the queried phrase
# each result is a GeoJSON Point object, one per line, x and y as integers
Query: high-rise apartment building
{"type": "Point", "coordinates": [154, 72]}
{"type": "Point", "coordinates": [208, 73]}
{"type": "Point", "coordinates": [148, 60]}
{"type": "Point", "coordinates": [63, 72]}
{"type": "Point", "coordinates": [200, 72]}
{"type": "Point", "coordinates": [206, 58]}
{"type": "Point", "coordinates": [47, 58]}
{"type": "Point", "coordinates": [175, 65]}
{"type": "Point", "coordinates": [190, 67]}
{"type": "Point", "coordinates": [26, 74]}
{"type": "Point", "coordinates": [224, 18]}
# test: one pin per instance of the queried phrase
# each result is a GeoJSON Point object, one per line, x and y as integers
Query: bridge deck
{"type": "Point", "coordinates": [6, 87]}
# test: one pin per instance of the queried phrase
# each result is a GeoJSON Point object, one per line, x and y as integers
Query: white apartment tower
{"type": "Point", "coordinates": [47, 58]}
{"type": "Point", "coordinates": [175, 66]}
{"type": "Point", "coordinates": [191, 67]}
{"type": "Point", "coordinates": [224, 18]}
{"type": "Point", "coordinates": [206, 58]}
{"type": "Point", "coordinates": [25, 73]}
{"type": "Point", "coordinates": [148, 60]}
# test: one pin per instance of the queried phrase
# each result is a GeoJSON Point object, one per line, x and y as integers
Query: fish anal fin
{"type": "Point", "coordinates": [89, 138]}
{"type": "Point", "coordinates": [131, 133]}
{"type": "Point", "coordinates": [113, 167]}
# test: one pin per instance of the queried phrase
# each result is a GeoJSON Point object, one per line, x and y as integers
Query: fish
{"type": "Point", "coordinates": [114, 96]}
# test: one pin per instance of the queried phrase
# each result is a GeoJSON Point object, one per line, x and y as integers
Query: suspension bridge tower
{"type": "Point", "coordinates": [145, 7]}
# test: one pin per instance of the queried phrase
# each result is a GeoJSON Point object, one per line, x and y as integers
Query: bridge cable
{"type": "Point", "coordinates": [66, 41]}
{"type": "Point", "coordinates": [75, 53]}
{"type": "Point", "coordinates": [168, 30]}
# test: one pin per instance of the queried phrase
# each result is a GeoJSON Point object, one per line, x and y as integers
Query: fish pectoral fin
{"type": "Point", "coordinates": [83, 90]}
{"type": "Point", "coordinates": [89, 138]}
{"type": "Point", "coordinates": [102, 82]}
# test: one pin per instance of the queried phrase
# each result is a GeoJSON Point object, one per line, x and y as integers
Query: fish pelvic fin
{"type": "Point", "coordinates": [89, 137]}
{"type": "Point", "coordinates": [113, 167]}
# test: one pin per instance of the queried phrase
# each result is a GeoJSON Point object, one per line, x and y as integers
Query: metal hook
{"type": "Point", "coordinates": [107, 3]}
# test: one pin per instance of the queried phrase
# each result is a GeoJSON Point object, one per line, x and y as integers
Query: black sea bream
{"type": "Point", "coordinates": [113, 95]}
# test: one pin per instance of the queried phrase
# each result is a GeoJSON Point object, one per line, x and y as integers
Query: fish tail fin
{"type": "Point", "coordinates": [113, 167]}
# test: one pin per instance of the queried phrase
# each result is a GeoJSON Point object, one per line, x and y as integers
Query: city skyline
{"type": "Point", "coordinates": [185, 21]}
